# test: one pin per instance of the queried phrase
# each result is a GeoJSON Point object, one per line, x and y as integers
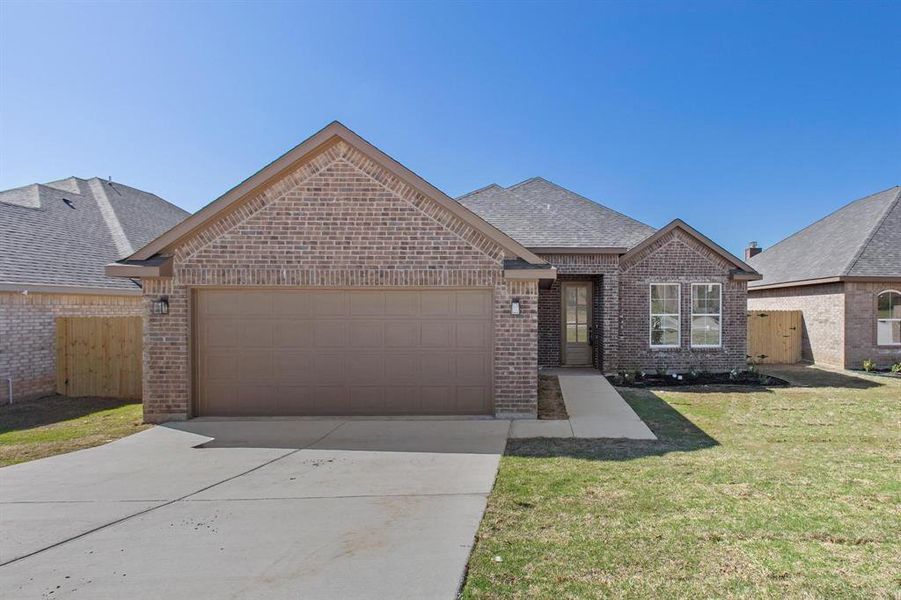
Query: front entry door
{"type": "Point", "coordinates": [576, 332]}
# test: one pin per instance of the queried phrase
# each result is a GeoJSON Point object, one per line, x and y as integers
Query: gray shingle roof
{"type": "Point", "coordinates": [538, 213]}
{"type": "Point", "coordinates": [862, 238]}
{"type": "Point", "coordinates": [65, 232]}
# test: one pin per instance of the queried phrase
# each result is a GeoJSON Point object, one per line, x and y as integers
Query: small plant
{"type": "Point", "coordinates": [733, 374]}
{"type": "Point", "coordinates": [693, 372]}
{"type": "Point", "coordinates": [896, 368]}
{"type": "Point", "coordinates": [752, 369]}
{"type": "Point", "coordinates": [636, 375]}
{"type": "Point", "coordinates": [869, 365]}
{"type": "Point", "coordinates": [662, 371]}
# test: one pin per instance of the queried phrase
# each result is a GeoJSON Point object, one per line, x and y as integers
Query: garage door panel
{"type": "Point", "coordinates": [401, 334]}
{"type": "Point", "coordinates": [330, 369]}
{"type": "Point", "coordinates": [365, 369]}
{"type": "Point", "coordinates": [329, 304]}
{"type": "Point", "coordinates": [293, 333]}
{"type": "Point", "coordinates": [330, 333]}
{"type": "Point", "coordinates": [471, 368]}
{"type": "Point", "coordinates": [437, 368]}
{"type": "Point", "coordinates": [402, 304]}
{"type": "Point", "coordinates": [437, 334]}
{"type": "Point", "coordinates": [364, 304]}
{"type": "Point", "coordinates": [221, 333]}
{"type": "Point", "coordinates": [255, 367]}
{"type": "Point", "coordinates": [255, 333]}
{"type": "Point", "coordinates": [221, 367]}
{"type": "Point", "coordinates": [473, 304]}
{"type": "Point", "coordinates": [469, 399]}
{"type": "Point", "coordinates": [471, 334]}
{"type": "Point", "coordinates": [367, 333]}
{"type": "Point", "coordinates": [437, 304]}
{"type": "Point", "coordinates": [294, 367]}
{"type": "Point", "coordinates": [336, 352]}
{"type": "Point", "coordinates": [292, 305]}
{"type": "Point", "coordinates": [402, 368]}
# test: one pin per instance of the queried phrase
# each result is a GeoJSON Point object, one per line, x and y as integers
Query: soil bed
{"type": "Point", "coordinates": [550, 398]}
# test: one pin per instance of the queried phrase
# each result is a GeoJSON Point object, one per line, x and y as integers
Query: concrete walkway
{"type": "Point", "coordinates": [252, 509]}
{"type": "Point", "coordinates": [595, 408]}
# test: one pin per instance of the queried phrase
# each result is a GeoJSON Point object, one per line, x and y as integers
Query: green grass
{"type": "Point", "coordinates": [782, 492]}
{"type": "Point", "coordinates": [57, 424]}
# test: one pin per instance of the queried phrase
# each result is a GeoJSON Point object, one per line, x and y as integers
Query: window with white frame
{"type": "Point", "coordinates": [665, 315]}
{"type": "Point", "coordinates": [888, 318]}
{"type": "Point", "coordinates": [706, 315]}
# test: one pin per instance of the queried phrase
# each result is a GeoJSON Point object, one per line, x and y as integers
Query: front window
{"type": "Point", "coordinates": [706, 314]}
{"type": "Point", "coordinates": [888, 318]}
{"type": "Point", "coordinates": [665, 315]}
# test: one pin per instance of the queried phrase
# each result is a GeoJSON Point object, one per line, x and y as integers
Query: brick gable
{"type": "Point", "coordinates": [338, 220]}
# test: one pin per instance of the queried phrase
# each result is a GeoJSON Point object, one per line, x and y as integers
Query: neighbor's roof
{"type": "Point", "coordinates": [540, 214]}
{"type": "Point", "coordinates": [64, 232]}
{"type": "Point", "coordinates": [861, 239]}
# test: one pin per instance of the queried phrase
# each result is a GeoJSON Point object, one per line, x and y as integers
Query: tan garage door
{"type": "Point", "coordinates": [343, 352]}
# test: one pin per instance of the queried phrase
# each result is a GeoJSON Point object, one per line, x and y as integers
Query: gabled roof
{"type": "Point", "coordinates": [62, 233]}
{"type": "Point", "coordinates": [286, 163]}
{"type": "Point", "coordinates": [742, 269]}
{"type": "Point", "coordinates": [861, 239]}
{"type": "Point", "coordinates": [543, 215]}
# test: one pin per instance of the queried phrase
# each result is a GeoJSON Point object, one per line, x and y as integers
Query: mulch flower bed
{"type": "Point", "coordinates": [654, 380]}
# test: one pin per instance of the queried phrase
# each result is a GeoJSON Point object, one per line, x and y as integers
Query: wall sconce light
{"type": "Point", "coordinates": [515, 307]}
{"type": "Point", "coordinates": [161, 306]}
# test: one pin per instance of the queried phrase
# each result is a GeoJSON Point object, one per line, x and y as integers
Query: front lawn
{"type": "Point", "coordinates": [748, 493]}
{"type": "Point", "coordinates": [57, 424]}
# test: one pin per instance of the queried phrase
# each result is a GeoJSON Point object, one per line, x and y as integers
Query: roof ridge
{"type": "Point", "coordinates": [120, 239]}
{"type": "Point", "coordinates": [885, 213]}
{"type": "Point", "coordinates": [583, 199]}
{"type": "Point", "coordinates": [823, 218]}
{"type": "Point", "coordinates": [480, 190]}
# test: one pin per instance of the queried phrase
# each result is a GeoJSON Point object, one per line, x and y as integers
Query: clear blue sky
{"type": "Point", "coordinates": [747, 120]}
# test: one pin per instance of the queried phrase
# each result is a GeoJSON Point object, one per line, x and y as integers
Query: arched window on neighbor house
{"type": "Point", "coordinates": [888, 318]}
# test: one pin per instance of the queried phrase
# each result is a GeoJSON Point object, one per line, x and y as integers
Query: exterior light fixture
{"type": "Point", "coordinates": [161, 306]}
{"type": "Point", "coordinates": [515, 307]}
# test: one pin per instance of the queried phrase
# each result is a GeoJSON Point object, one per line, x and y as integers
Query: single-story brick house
{"type": "Point", "coordinates": [336, 281]}
{"type": "Point", "coordinates": [55, 240]}
{"type": "Point", "coordinates": [844, 274]}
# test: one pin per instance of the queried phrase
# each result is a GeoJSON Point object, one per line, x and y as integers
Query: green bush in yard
{"type": "Point", "coordinates": [869, 365]}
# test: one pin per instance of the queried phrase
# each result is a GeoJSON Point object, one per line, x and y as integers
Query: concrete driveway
{"type": "Point", "coordinates": [252, 509]}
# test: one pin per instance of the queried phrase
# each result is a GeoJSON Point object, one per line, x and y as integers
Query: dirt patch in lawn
{"type": "Point", "coordinates": [550, 398]}
{"type": "Point", "coordinates": [57, 424]}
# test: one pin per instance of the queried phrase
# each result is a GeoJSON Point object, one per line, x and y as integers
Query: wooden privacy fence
{"type": "Point", "coordinates": [99, 356]}
{"type": "Point", "coordinates": [774, 336]}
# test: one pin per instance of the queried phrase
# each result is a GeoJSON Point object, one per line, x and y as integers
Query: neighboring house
{"type": "Point", "coordinates": [55, 240]}
{"type": "Point", "coordinates": [844, 274]}
{"type": "Point", "coordinates": [336, 281]}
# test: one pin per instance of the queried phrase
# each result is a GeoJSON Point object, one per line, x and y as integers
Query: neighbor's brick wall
{"type": "Point", "coordinates": [28, 334]}
{"type": "Point", "coordinates": [822, 316]}
{"type": "Point", "coordinates": [860, 325]}
{"type": "Point", "coordinates": [603, 271]}
{"type": "Point", "coordinates": [677, 258]}
{"type": "Point", "coordinates": [338, 221]}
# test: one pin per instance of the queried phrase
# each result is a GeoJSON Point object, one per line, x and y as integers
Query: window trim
{"type": "Point", "coordinates": [693, 314]}
{"type": "Point", "coordinates": [678, 316]}
{"type": "Point", "coordinates": [878, 320]}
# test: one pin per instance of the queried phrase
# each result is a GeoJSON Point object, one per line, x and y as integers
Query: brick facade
{"type": "Point", "coordinates": [603, 271]}
{"type": "Point", "coordinates": [338, 220]}
{"type": "Point", "coordinates": [679, 258]}
{"type": "Point", "coordinates": [860, 325]}
{"type": "Point", "coordinates": [839, 321]}
{"type": "Point", "coordinates": [28, 334]}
